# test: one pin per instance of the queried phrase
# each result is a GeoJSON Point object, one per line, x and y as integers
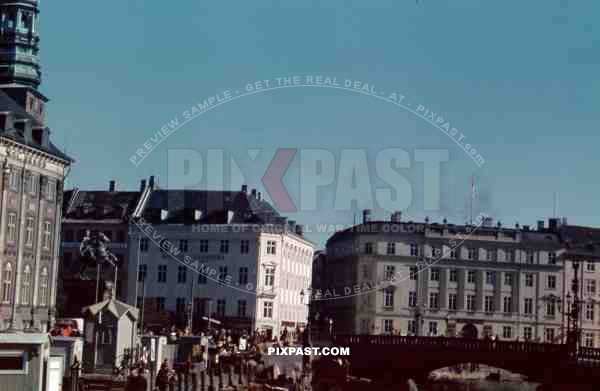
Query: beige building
{"type": "Point", "coordinates": [444, 279]}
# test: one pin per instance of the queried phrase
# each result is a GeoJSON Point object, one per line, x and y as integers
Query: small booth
{"type": "Point", "coordinates": [110, 329]}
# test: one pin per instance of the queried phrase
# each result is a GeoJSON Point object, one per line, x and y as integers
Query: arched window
{"type": "Point", "coordinates": [26, 285]}
{"type": "Point", "coordinates": [43, 291]}
{"type": "Point", "coordinates": [7, 276]}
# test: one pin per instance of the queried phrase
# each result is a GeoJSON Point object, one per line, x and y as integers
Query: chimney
{"type": "Point", "coordinates": [45, 137]}
{"type": "Point", "coordinates": [151, 181]}
{"type": "Point", "coordinates": [142, 185]}
{"type": "Point", "coordinates": [299, 230]}
{"type": "Point", "coordinates": [540, 225]}
{"type": "Point", "coordinates": [525, 228]}
{"type": "Point", "coordinates": [488, 222]}
{"type": "Point", "coordinates": [253, 193]}
{"type": "Point", "coordinates": [111, 186]}
{"type": "Point", "coordinates": [396, 217]}
{"type": "Point", "coordinates": [245, 189]}
{"type": "Point", "coordinates": [259, 196]}
{"type": "Point", "coordinates": [564, 221]}
{"type": "Point", "coordinates": [553, 224]}
{"type": "Point", "coordinates": [366, 215]}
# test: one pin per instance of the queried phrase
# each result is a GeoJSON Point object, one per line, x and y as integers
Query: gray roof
{"type": "Point", "coordinates": [99, 205]}
{"type": "Point", "coordinates": [115, 307]}
{"type": "Point", "coordinates": [8, 104]}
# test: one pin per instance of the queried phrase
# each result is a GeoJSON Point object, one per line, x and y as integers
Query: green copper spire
{"type": "Point", "coordinates": [19, 44]}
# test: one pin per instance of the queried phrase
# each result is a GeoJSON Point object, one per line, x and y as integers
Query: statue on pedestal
{"type": "Point", "coordinates": [94, 251]}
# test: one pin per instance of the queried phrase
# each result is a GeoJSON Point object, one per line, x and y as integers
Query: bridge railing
{"type": "Point", "coordinates": [454, 343]}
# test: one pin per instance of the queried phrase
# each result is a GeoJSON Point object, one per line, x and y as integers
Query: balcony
{"type": "Point", "coordinates": [267, 292]}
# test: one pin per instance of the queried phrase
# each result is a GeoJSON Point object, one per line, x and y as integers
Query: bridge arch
{"type": "Point", "coordinates": [469, 331]}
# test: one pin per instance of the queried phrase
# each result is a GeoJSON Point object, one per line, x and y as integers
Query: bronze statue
{"type": "Point", "coordinates": [95, 250]}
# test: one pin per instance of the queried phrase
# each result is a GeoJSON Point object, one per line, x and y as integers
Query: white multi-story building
{"type": "Point", "coordinates": [228, 253]}
{"type": "Point", "coordinates": [444, 279]}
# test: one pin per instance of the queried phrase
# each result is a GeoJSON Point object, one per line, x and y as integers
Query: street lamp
{"type": "Point", "coordinates": [306, 342]}
{"type": "Point", "coordinates": [418, 319]}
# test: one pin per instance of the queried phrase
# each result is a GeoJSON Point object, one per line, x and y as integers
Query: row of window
{"type": "Point", "coordinates": [26, 285]}
{"type": "Point", "coordinates": [30, 183]}
{"type": "Point", "coordinates": [30, 228]}
{"type": "Point", "coordinates": [489, 306]}
{"type": "Point", "coordinates": [182, 271]}
{"type": "Point", "coordinates": [507, 331]}
{"type": "Point", "coordinates": [181, 306]}
{"type": "Point", "coordinates": [472, 253]}
{"type": "Point", "coordinates": [490, 277]}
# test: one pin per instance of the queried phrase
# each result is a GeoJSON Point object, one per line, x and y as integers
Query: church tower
{"type": "Point", "coordinates": [20, 73]}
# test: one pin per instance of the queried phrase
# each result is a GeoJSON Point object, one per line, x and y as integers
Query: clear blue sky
{"type": "Point", "coordinates": [519, 79]}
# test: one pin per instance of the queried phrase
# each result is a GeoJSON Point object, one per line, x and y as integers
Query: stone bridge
{"type": "Point", "coordinates": [393, 359]}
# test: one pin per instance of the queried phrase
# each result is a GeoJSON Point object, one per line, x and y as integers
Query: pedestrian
{"type": "Point", "coordinates": [136, 381]}
{"type": "Point", "coordinates": [162, 378]}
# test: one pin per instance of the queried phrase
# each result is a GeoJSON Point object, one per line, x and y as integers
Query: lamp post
{"type": "Point", "coordinates": [447, 320]}
{"type": "Point", "coordinates": [418, 320]}
{"type": "Point", "coordinates": [306, 340]}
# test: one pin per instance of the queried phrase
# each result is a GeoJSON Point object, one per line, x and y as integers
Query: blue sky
{"type": "Point", "coordinates": [518, 79]}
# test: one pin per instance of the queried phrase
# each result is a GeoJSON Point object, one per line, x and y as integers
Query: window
{"type": "Point", "coordinates": [160, 304]}
{"type": "Point", "coordinates": [528, 306]}
{"type": "Point", "coordinates": [489, 304]}
{"type": "Point", "coordinates": [106, 337]}
{"type": "Point", "coordinates": [244, 247]}
{"type": "Point", "coordinates": [7, 277]}
{"type": "Point", "coordinates": [590, 267]}
{"type": "Point", "coordinates": [550, 309]}
{"type": "Point", "coordinates": [241, 308]}
{"type": "Point", "coordinates": [47, 238]}
{"type": "Point", "coordinates": [508, 279]}
{"type": "Point", "coordinates": [453, 254]}
{"type": "Point", "coordinates": [529, 257]}
{"type": "Point", "coordinates": [388, 326]}
{"type": "Point", "coordinates": [144, 245]}
{"type": "Point", "coordinates": [50, 189]}
{"type": "Point", "coordinates": [180, 304]}
{"type": "Point", "coordinates": [183, 245]}
{"type": "Point", "coordinates": [388, 297]}
{"type": "Point", "coordinates": [453, 275]}
{"type": "Point", "coordinates": [551, 282]}
{"type": "Point", "coordinates": [201, 278]}
{"type": "Point", "coordinates": [391, 248]}
{"type": "Point", "coordinates": [529, 279]}
{"type": "Point", "coordinates": [490, 254]}
{"type": "Point", "coordinates": [222, 273]}
{"type": "Point", "coordinates": [269, 277]}
{"type": "Point", "coordinates": [43, 288]}
{"type": "Point", "coordinates": [224, 249]}
{"type": "Point", "coordinates": [472, 254]}
{"type": "Point", "coordinates": [551, 258]}
{"type": "Point", "coordinates": [433, 329]}
{"type": "Point", "coordinates": [32, 184]}
{"type": "Point", "coordinates": [204, 246]}
{"type": "Point", "coordinates": [271, 247]}
{"type": "Point", "coordinates": [243, 276]}
{"type": "Point", "coordinates": [414, 250]}
{"type": "Point", "coordinates": [527, 333]}
{"type": "Point", "coordinates": [12, 227]}
{"type": "Point", "coordinates": [506, 332]}
{"type": "Point", "coordinates": [510, 255]}
{"type": "Point", "coordinates": [142, 273]}
{"type": "Point", "coordinates": [389, 271]}
{"type": "Point", "coordinates": [221, 307]}
{"type": "Point", "coordinates": [589, 311]}
{"type": "Point", "coordinates": [26, 285]}
{"type": "Point", "coordinates": [590, 287]}
{"type": "Point", "coordinates": [470, 302]}
{"type": "Point", "coordinates": [435, 274]}
{"type": "Point", "coordinates": [29, 232]}
{"type": "Point", "coordinates": [507, 304]}
{"type": "Point", "coordinates": [490, 278]}
{"type": "Point", "coordinates": [549, 334]}
{"type": "Point", "coordinates": [14, 179]}
{"type": "Point", "coordinates": [434, 300]}
{"type": "Point", "coordinates": [487, 331]}
{"type": "Point", "coordinates": [471, 276]}
{"type": "Point", "coordinates": [452, 301]}
{"type": "Point", "coordinates": [589, 340]}
{"type": "Point", "coordinates": [412, 327]}
{"type": "Point", "coordinates": [412, 299]}
{"type": "Point", "coordinates": [436, 252]}
{"type": "Point", "coordinates": [413, 271]}
{"type": "Point", "coordinates": [368, 248]}
{"type": "Point", "coordinates": [181, 274]}
{"type": "Point", "coordinates": [268, 309]}
{"type": "Point", "coordinates": [162, 273]}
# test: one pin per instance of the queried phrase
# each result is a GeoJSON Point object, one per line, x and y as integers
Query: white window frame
{"type": "Point", "coordinates": [11, 224]}
{"type": "Point", "coordinates": [268, 310]}
{"type": "Point", "coordinates": [26, 285]}
{"type": "Point", "coordinates": [29, 228]}
{"type": "Point", "coordinates": [7, 282]}
{"type": "Point", "coordinates": [388, 298]}
{"type": "Point", "coordinates": [16, 353]}
{"type": "Point", "coordinates": [47, 238]}
{"type": "Point", "coordinates": [43, 287]}
{"type": "Point", "coordinates": [271, 247]}
{"type": "Point", "coordinates": [269, 277]}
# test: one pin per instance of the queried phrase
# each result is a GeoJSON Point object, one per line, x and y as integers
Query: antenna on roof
{"type": "Point", "coordinates": [554, 212]}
